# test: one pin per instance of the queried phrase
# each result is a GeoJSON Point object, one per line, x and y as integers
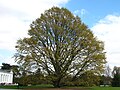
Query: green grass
{"type": "Point", "coordinates": [51, 86]}
{"type": "Point", "coordinates": [9, 87]}
{"type": "Point", "coordinates": [97, 88]}
{"type": "Point", "coordinates": [23, 87]}
{"type": "Point", "coordinates": [76, 87]}
{"type": "Point", "coordinates": [38, 86]}
{"type": "Point", "coordinates": [105, 88]}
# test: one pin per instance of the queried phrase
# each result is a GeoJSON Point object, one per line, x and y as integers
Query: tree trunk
{"type": "Point", "coordinates": [57, 83]}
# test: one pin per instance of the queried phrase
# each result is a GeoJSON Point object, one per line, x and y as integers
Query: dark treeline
{"type": "Point", "coordinates": [37, 77]}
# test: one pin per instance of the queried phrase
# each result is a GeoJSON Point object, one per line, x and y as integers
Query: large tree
{"type": "Point", "coordinates": [61, 45]}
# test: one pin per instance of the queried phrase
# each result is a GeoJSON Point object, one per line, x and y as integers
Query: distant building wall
{"type": "Point", "coordinates": [6, 77]}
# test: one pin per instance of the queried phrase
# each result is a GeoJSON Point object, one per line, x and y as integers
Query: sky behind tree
{"type": "Point", "coordinates": [101, 16]}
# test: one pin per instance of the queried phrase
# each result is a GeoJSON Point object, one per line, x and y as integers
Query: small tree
{"type": "Point", "coordinates": [61, 45]}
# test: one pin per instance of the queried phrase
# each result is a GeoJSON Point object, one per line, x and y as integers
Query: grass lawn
{"type": "Point", "coordinates": [8, 87]}
{"type": "Point", "coordinates": [43, 87]}
{"type": "Point", "coordinates": [105, 88]}
{"type": "Point", "coordinates": [25, 87]}
{"type": "Point", "coordinates": [50, 87]}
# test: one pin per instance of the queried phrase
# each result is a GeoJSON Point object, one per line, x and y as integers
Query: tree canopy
{"type": "Point", "coordinates": [60, 44]}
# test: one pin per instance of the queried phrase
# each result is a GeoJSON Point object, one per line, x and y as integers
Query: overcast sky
{"type": "Point", "coordinates": [101, 16]}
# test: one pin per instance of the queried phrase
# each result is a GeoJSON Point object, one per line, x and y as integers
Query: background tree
{"type": "Point", "coordinates": [116, 77]}
{"type": "Point", "coordinates": [61, 45]}
{"type": "Point", "coordinates": [6, 66]}
{"type": "Point", "coordinates": [89, 79]}
{"type": "Point", "coordinates": [16, 73]}
{"type": "Point", "coordinates": [107, 79]}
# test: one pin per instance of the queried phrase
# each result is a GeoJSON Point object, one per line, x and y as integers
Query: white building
{"type": "Point", "coordinates": [6, 77]}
